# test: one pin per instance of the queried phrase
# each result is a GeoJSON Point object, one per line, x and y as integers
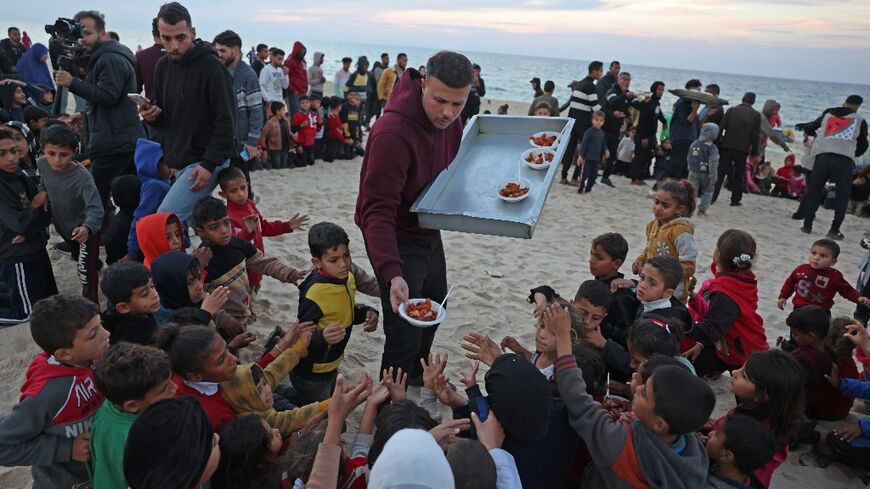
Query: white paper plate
{"type": "Point", "coordinates": [523, 182]}
{"type": "Point", "coordinates": [544, 133]}
{"type": "Point", "coordinates": [442, 314]}
{"type": "Point", "coordinates": [543, 166]}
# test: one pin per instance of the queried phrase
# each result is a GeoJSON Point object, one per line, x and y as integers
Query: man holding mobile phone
{"type": "Point", "coordinates": [111, 121]}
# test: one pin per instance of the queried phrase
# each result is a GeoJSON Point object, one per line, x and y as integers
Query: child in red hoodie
{"type": "Point", "coordinates": [247, 222]}
{"type": "Point", "coordinates": [306, 123]}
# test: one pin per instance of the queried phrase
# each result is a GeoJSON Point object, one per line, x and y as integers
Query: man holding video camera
{"type": "Point", "coordinates": [111, 119]}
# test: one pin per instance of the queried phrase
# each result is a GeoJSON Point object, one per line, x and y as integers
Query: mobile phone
{"type": "Point", "coordinates": [140, 100]}
{"type": "Point", "coordinates": [245, 155]}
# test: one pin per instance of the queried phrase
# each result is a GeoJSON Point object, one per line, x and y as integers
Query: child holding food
{"type": "Point", "coordinates": [327, 297]}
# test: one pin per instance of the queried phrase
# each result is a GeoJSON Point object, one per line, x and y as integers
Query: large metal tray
{"type": "Point", "coordinates": [464, 197]}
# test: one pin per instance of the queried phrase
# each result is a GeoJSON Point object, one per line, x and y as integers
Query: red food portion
{"type": "Point", "coordinates": [538, 158]}
{"type": "Point", "coordinates": [543, 140]}
{"type": "Point", "coordinates": [421, 311]}
{"type": "Point", "coordinates": [513, 190]}
{"type": "Point", "coordinates": [616, 406]}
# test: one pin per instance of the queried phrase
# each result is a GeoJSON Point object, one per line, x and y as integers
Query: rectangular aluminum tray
{"type": "Point", "coordinates": [464, 197]}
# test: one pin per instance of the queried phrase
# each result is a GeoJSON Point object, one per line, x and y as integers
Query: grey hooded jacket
{"type": "Point", "coordinates": [703, 154]}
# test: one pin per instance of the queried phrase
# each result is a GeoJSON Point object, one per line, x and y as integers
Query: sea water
{"type": "Point", "coordinates": [507, 77]}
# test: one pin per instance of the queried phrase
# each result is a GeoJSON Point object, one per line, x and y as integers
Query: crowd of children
{"type": "Point", "coordinates": [150, 392]}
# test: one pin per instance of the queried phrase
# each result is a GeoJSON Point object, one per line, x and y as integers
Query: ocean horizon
{"type": "Point", "coordinates": [507, 76]}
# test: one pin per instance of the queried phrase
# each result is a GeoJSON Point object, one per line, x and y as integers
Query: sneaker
{"type": "Point", "coordinates": [580, 190]}
{"type": "Point", "coordinates": [574, 182]}
{"type": "Point", "coordinates": [606, 181]}
{"type": "Point", "coordinates": [807, 229]}
{"type": "Point", "coordinates": [736, 204]}
{"type": "Point", "coordinates": [63, 248]}
{"type": "Point", "coordinates": [564, 181]}
{"type": "Point", "coordinates": [797, 217]}
{"type": "Point", "coordinates": [429, 402]}
{"type": "Point", "coordinates": [836, 235]}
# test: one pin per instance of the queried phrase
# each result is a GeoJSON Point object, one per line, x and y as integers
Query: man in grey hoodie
{"type": "Point", "coordinates": [111, 123]}
{"type": "Point", "coordinates": [316, 80]}
{"type": "Point", "coordinates": [704, 165]}
{"type": "Point", "coordinates": [660, 448]}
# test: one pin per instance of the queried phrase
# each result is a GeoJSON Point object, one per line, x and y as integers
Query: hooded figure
{"type": "Point", "coordinates": [297, 69]}
{"type": "Point", "coordinates": [769, 121]}
{"type": "Point", "coordinates": [125, 193]}
{"type": "Point", "coordinates": [169, 445]}
{"type": "Point", "coordinates": [362, 81]}
{"type": "Point", "coordinates": [155, 186]}
{"type": "Point", "coordinates": [151, 235]}
{"type": "Point", "coordinates": [316, 80]}
{"type": "Point", "coordinates": [411, 459]}
{"type": "Point", "coordinates": [243, 395]}
{"type": "Point", "coordinates": [13, 98]}
{"type": "Point", "coordinates": [169, 273]}
{"type": "Point", "coordinates": [32, 67]}
{"type": "Point", "coordinates": [703, 154]}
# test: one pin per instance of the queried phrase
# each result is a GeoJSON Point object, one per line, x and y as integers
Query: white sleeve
{"type": "Point", "coordinates": [507, 475]}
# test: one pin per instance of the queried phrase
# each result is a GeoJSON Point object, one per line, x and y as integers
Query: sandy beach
{"type": "Point", "coordinates": [493, 275]}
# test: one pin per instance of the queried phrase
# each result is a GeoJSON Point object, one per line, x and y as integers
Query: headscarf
{"type": "Point", "coordinates": [361, 63]}
{"type": "Point", "coordinates": [520, 396]}
{"type": "Point", "coordinates": [32, 69]}
{"type": "Point", "coordinates": [168, 446]}
{"type": "Point", "coordinates": [411, 458]}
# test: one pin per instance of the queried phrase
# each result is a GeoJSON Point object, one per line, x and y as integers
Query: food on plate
{"type": "Point", "coordinates": [539, 158]}
{"type": "Point", "coordinates": [543, 139]}
{"type": "Point", "coordinates": [421, 311]}
{"type": "Point", "coordinates": [513, 190]}
{"type": "Point", "coordinates": [616, 406]}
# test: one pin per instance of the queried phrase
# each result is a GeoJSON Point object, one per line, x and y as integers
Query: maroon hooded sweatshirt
{"type": "Point", "coordinates": [404, 153]}
{"type": "Point", "coordinates": [297, 70]}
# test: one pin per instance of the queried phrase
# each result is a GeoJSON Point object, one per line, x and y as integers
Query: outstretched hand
{"type": "Point", "coordinates": [480, 347]}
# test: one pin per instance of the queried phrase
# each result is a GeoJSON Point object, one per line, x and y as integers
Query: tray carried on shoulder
{"type": "Point", "coordinates": [703, 97]}
{"type": "Point", "coordinates": [465, 196]}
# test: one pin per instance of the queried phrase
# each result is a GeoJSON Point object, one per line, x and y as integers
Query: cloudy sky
{"type": "Point", "coordinates": [806, 39]}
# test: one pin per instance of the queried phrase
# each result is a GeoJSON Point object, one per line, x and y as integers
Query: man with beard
{"type": "Point", "coordinates": [193, 102]}
{"type": "Point", "coordinates": [390, 77]}
{"type": "Point", "coordinates": [246, 86]}
{"type": "Point", "coordinates": [618, 101]}
{"type": "Point", "coordinates": [111, 123]}
{"type": "Point", "coordinates": [414, 141]}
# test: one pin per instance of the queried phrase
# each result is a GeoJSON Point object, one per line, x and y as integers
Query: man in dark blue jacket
{"type": "Point", "coordinates": [684, 131]}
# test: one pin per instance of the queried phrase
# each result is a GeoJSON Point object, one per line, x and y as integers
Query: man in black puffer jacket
{"type": "Point", "coordinates": [111, 123]}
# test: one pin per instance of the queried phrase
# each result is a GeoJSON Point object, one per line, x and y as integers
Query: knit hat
{"type": "Point", "coordinates": [168, 446]}
{"type": "Point", "coordinates": [520, 396]}
{"type": "Point", "coordinates": [411, 459]}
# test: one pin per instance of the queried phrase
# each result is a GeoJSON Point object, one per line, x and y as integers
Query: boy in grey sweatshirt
{"type": "Point", "coordinates": [704, 165]}
{"type": "Point", "coordinates": [657, 450]}
{"type": "Point", "coordinates": [593, 149]}
{"type": "Point", "coordinates": [76, 209]}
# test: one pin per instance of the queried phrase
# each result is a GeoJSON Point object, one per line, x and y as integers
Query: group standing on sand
{"type": "Point", "coordinates": [151, 393]}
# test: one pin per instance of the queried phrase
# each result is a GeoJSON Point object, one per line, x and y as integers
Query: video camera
{"type": "Point", "coordinates": [63, 46]}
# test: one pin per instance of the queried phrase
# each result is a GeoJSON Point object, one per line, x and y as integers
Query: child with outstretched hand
{"type": "Point", "coordinates": [659, 448]}
{"type": "Point", "coordinates": [850, 443]}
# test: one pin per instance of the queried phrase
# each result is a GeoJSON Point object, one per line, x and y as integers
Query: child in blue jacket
{"type": "Point", "coordinates": [154, 174]}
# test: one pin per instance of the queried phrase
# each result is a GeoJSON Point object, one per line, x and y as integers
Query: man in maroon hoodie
{"type": "Point", "coordinates": [297, 69]}
{"type": "Point", "coordinates": [415, 139]}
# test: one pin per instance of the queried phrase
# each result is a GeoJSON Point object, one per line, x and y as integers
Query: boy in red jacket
{"type": "Point", "coordinates": [306, 123]}
{"type": "Point", "coordinates": [817, 282]}
{"type": "Point", "coordinates": [336, 144]}
{"type": "Point", "coordinates": [246, 220]}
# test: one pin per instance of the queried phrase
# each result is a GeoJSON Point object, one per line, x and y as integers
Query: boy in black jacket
{"type": "Point", "coordinates": [133, 300]}
{"type": "Point", "coordinates": [25, 269]}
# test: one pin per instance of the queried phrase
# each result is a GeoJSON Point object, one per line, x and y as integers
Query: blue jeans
{"type": "Point", "coordinates": [294, 104]}
{"type": "Point", "coordinates": [180, 199]}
